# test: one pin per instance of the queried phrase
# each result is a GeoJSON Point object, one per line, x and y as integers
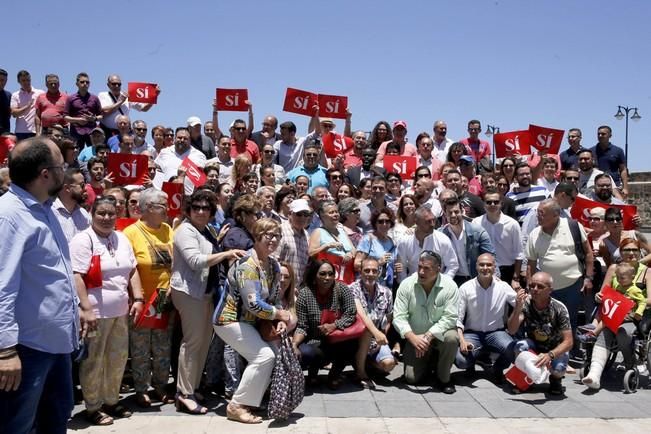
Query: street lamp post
{"type": "Point", "coordinates": [490, 130]}
{"type": "Point", "coordinates": [635, 116]}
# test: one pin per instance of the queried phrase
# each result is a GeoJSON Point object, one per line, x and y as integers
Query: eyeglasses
{"type": "Point", "coordinates": [117, 83]}
{"type": "Point", "coordinates": [371, 271]}
{"type": "Point", "coordinates": [326, 273]}
{"type": "Point", "coordinates": [474, 129]}
{"type": "Point", "coordinates": [614, 219]}
{"type": "Point", "coordinates": [336, 177]}
{"type": "Point", "coordinates": [83, 82]}
{"type": "Point", "coordinates": [571, 178]}
{"type": "Point", "coordinates": [271, 236]}
{"type": "Point", "coordinates": [267, 152]}
{"type": "Point", "coordinates": [329, 126]}
{"type": "Point", "coordinates": [423, 175]}
{"type": "Point", "coordinates": [356, 211]}
{"type": "Point", "coordinates": [169, 135]}
{"type": "Point", "coordinates": [383, 221]}
{"type": "Point", "coordinates": [140, 129]}
{"type": "Point", "coordinates": [594, 219]}
{"type": "Point", "coordinates": [240, 129]}
{"type": "Point", "coordinates": [632, 250]}
{"type": "Point", "coordinates": [492, 202]}
{"type": "Point", "coordinates": [199, 208]}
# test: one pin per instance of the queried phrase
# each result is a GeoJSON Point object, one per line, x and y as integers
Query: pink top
{"type": "Point", "coordinates": [477, 150]}
{"type": "Point", "coordinates": [117, 263]}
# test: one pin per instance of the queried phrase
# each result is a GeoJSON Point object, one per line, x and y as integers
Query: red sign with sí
{"type": "Point", "coordinates": [333, 106]}
{"type": "Point", "coordinates": [344, 272]}
{"type": "Point", "coordinates": [233, 100]}
{"type": "Point", "coordinates": [546, 140]}
{"type": "Point", "coordinates": [143, 92]}
{"type": "Point", "coordinates": [512, 143]}
{"type": "Point", "coordinates": [614, 308]}
{"type": "Point", "coordinates": [300, 101]}
{"type": "Point", "coordinates": [404, 166]}
{"type": "Point", "coordinates": [193, 172]}
{"type": "Point", "coordinates": [127, 169]}
{"type": "Point", "coordinates": [335, 144]}
{"type": "Point", "coordinates": [174, 192]}
{"type": "Point", "coordinates": [122, 223]}
{"type": "Point", "coordinates": [582, 206]}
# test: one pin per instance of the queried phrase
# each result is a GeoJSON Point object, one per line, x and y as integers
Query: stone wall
{"type": "Point", "coordinates": [640, 195]}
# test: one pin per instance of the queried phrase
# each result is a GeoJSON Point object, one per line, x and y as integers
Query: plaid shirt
{"type": "Point", "coordinates": [308, 310]}
{"type": "Point", "coordinates": [293, 249]}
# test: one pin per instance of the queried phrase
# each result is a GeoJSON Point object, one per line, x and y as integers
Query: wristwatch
{"type": "Point", "coordinates": [551, 355]}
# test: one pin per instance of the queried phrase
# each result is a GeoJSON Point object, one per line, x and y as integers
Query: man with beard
{"type": "Point", "coordinates": [96, 173]}
{"type": "Point", "coordinates": [68, 205]}
{"type": "Point", "coordinates": [39, 318]}
{"type": "Point", "coordinates": [473, 206]}
{"type": "Point", "coordinates": [200, 142]}
{"type": "Point", "coordinates": [587, 173]}
{"type": "Point", "coordinates": [140, 144]}
{"type": "Point", "coordinates": [477, 148]}
{"type": "Point", "coordinates": [603, 191]}
{"type": "Point", "coordinates": [525, 195]}
{"type": "Point", "coordinates": [289, 149]}
{"type": "Point", "coordinates": [169, 160]}
{"type": "Point", "coordinates": [368, 169]}
{"type": "Point", "coordinates": [378, 201]}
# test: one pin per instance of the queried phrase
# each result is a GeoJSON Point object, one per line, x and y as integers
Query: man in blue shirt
{"type": "Point", "coordinates": [310, 167]}
{"type": "Point", "coordinates": [611, 159]}
{"type": "Point", "coordinates": [39, 319]}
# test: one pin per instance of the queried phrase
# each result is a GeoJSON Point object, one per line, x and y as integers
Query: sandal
{"type": "Point", "coordinates": [118, 410]}
{"type": "Point", "coordinates": [241, 414]}
{"type": "Point", "coordinates": [366, 383]}
{"type": "Point", "coordinates": [182, 405]}
{"type": "Point", "coordinates": [99, 418]}
{"type": "Point", "coordinates": [143, 400]}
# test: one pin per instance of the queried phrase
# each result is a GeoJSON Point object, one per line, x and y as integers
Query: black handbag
{"type": "Point", "coordinates": [287, 382]}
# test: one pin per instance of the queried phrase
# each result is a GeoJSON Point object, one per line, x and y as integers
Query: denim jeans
{"type": "Point", "coordinates": [498, 341]}
{"type": "Point", "coordinates": [44, 399]}
{"type": "Point", "coordinates": [572, 298]}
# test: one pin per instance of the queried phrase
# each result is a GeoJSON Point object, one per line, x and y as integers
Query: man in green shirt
{"type": "Point", "coordinates": [425, 314]}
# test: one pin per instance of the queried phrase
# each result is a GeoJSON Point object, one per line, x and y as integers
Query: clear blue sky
{"type": "Point", "coordinates": [509, 63]}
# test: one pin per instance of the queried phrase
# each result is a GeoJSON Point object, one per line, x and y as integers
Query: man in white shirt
{"type": "Point", "coordinates": [115, 103]}
{"type": "Point", "coordinates": [23, 108]}
{"type": "Point", "coordinates": [67, 206]}
{"type": "Point", "coordinates": [224, 159]}
{"type": "Point", "coordinates": [482, 318]}
{"type": "Point", "coordinates": [425, 237]}
{"type": "Point", "coordinates": [171, 158]}
{"type": "Point", "coordinates": [505, 236]}
{"type": "Point", "coordinates": [289, 149]}
{"type": "Point", "coordinates": [140, 139]}
{"type": "Point", "coordinates": [441, 142]}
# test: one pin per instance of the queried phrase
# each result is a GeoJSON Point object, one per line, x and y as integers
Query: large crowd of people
{"type": "Point", "coordinates": [359, 265]}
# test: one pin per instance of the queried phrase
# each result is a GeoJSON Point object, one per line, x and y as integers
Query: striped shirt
{"type": "Point", "coordinates": [527, 200]}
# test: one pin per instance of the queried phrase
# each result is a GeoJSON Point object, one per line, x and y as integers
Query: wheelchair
{"type": "Point", "coordinates": [641, 346]}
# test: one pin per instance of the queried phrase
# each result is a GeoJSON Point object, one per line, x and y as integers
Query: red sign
{"type": "Point", "coordinates": [335, 144]}
{"type": "Point", "coordinates": [5, 145]}
{"type": "Point", "coordinates": [344, 272]}
{"type": "Point", "coordinates": [333, 106]}
{"type": "Point", "coordinates": [300, 101]}
{"type": "Point", "coordinates": [233, 100]}
{"type": "Point", "coordinates": [143, 92]}
{"type": "Point", "coordinates": [518, 378]}
{"type": "Point", "coordinates": [582, 206]}
{"type": "Point", "coordinates": [404, 166]}
{"type": "Point", "coordinates": [174, 192]}
{"type": "Point", "coordinates": [614, 307]}
{"type": "Point", "coordinates": [123, 223]}
{"type": "Point", "coordinates": [546, 140]}
{"type": "Point", "coordinates": [193, 172]}
{"type": "Point", "coordinates": [512, 143]}
{"type": "Point", "coordinates": [127, 169]}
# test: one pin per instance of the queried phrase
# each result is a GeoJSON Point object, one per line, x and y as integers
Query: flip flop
{"type": "Point", "coordinates": [99, 418]}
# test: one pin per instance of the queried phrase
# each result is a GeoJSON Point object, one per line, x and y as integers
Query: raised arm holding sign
{"type": "Point", "coordinates": [233, 100]}
{"type": "Point", "coordinates": [143, 92]}
{"type": "Point", "coordinates": [546, 140]}
{"type": "Point", "coordinates": [193, 172]}
{"type": "Point", "coordinates": [512, 143]}
{"type": "Point", "coordinates": [333, 106]}
{"type": "Point", "coordinates": [300, 101]}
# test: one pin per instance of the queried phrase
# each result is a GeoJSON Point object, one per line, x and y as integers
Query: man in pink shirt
{"type": "Point", "coordinates": [50, 106]}
{"type": "Point", "coordinates": [399, 138]}
{"type": "Point", "coordinates": [477, 148]}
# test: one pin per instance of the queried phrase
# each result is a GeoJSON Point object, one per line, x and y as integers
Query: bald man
{"type": "Point", "coordinates": [39, 319]}
{"type": "Point", "coordinates": [547, 327]}
{"type": "Point", "coordinates": [481, 325]}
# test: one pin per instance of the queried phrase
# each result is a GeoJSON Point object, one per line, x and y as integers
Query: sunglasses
{"type": "Point", "coordinates": [116, 84]}
{"type": "Point", "coordinates": [133, 201]}
{"type": "Point", "coordinates": [629, 250]}
{"type": "Point", "coordinates": [384, 221]}
{"type": "Point", "coordinates": [240, 129]}
{"type": "Point", "coordinates": [572, 178]}
{"type": "Point", "coordinates": [336, 177]}
{"type": "Point", "coordinates": [269, 152]}
{"type": "Point", "coordinates": [271, 237]}
{"type": "Point", "coordinates": [199, 208]}
{"type": "Point", "coordinates": [614, 219]}
{"type": "Point", "coordinates": [492, 202]}
{"type": "Point", "coordinates": [140, 129]}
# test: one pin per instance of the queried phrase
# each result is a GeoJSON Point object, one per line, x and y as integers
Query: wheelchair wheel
{"type": "Point", "coordinates": [647, 354]}
{"type": "Point", "coordinates": [631, 380]}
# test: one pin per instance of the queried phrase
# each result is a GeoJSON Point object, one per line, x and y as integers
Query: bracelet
{"type": "Point", "coordinates": [8, 356]}
{"type": "Point", "coordinates": [138, 299]}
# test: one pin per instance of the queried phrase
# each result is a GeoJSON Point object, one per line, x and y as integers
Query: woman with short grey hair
{"type": "Point", "coordinates": [349, 217]}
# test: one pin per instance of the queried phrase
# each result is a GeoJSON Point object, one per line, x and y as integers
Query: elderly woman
{"type": "Point", "coordinates": [192, 283]}
{"type": "Point", "coordinates": [266, 196]}
{"type": "Point", "coordinates": [331, 237]}
{"type": "Point", "coordinates": [394, 186]}
{"type": "Point", "coordinates": [321, 292]}
{"type": "Point", "coordinates": [253, 296]}
{"type": "Point", "coordinates": [638, 279]}
{"type": "Point", "coordinates": [103, 288]}
{"type": "Point", "coordinates": [151, 240]}
{"type": "Point", "coordinates": [379, 245]}
{"type": "Point", "coordinates": [349, 212]}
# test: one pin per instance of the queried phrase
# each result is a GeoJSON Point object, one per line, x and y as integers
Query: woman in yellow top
{"type": "Point", "coordinates": [151, 239]}
{"type": "Point", "coordinates": [254, 288]}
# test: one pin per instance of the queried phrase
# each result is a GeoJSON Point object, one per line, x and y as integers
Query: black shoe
{"type": "Point", "coordinates": [555, 386]}
{"type": "Point", "coordinates": [448, 388]}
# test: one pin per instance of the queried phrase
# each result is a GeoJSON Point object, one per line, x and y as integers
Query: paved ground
{"type": "Point", "coordinates": [396, 407]}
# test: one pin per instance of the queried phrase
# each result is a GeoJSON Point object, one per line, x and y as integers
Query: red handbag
{"type": "Point", "coordinates": [353, 331]}
{"type": "Point", "coordinates": [93, 277]}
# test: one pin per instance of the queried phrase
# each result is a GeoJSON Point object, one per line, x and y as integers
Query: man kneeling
{"type": "Point", "coordinates": [482, 318]}
{"type": "Point", "coordinates": [425, 314]}
{"type": "Point", "coordinates": [547, 326]}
